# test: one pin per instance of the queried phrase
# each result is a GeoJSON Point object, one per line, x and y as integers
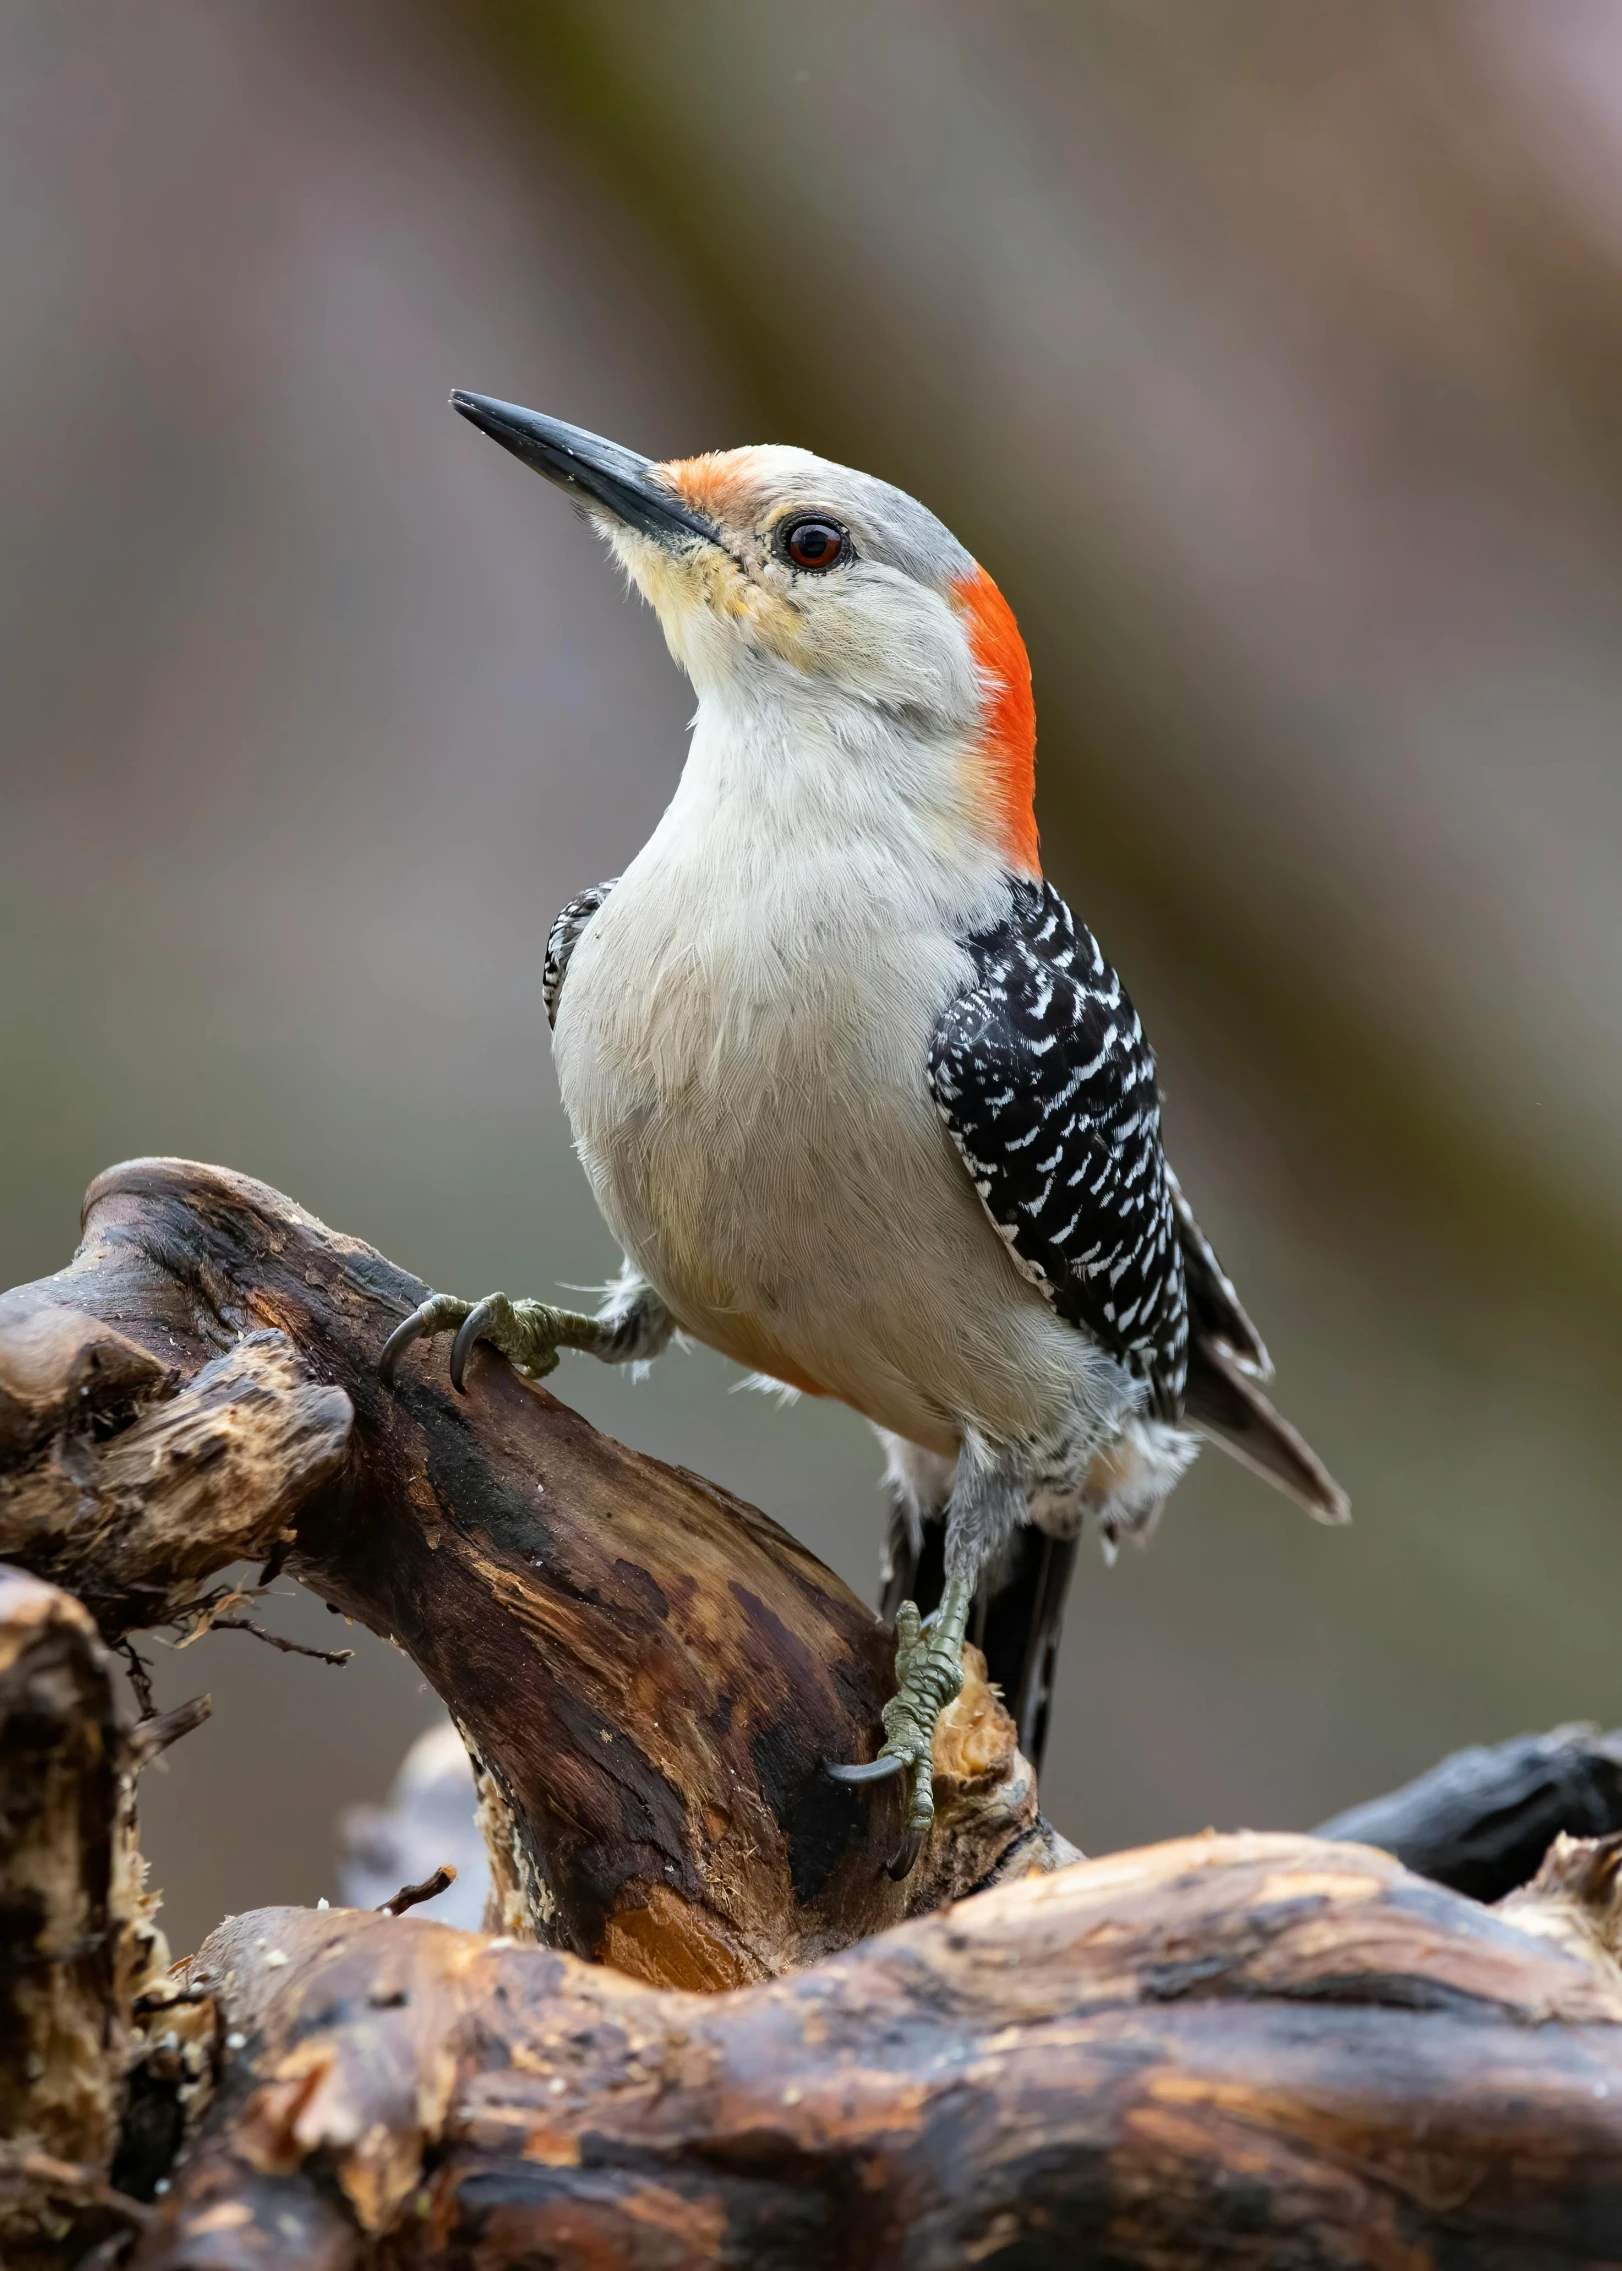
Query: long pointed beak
{"type": "Point", "coordinates": [628, 485]}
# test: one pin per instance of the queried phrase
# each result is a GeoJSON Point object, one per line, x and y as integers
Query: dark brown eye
{"type": "Point", "coordinates": [813, 542]}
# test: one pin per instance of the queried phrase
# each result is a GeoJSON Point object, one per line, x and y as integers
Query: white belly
{"type": "Point", "coordinates": [745, 1072]}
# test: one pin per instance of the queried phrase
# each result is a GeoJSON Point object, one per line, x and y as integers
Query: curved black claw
{"type": "Point", "coordinates": [419, 1323]}
{"type": "Point", "coordinates": [901, 1862]}
{"type": "Point", "coordinates": [879, 1769]}
{"type": "Point", "coordinates": [475, 1325]}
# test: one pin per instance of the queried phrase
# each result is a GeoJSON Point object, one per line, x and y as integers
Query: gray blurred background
{"type": "Point", "coordinates": [1269, 352]}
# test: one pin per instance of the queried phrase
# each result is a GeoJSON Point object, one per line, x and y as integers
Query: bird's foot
{"type": "Point", "coordinates": [929, 1674]}
{"type": "Point", "coordinates": [528, 1333]}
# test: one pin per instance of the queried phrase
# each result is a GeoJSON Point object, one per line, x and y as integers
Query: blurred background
{"type": "Point", "coordinates": [1269, 352]}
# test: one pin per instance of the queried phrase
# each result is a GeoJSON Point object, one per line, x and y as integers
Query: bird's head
{"type": "Point", "coordinates": [782, 579]}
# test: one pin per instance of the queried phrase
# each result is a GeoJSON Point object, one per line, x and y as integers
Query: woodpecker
{"type": "Point", "coordinates": [862, 1102]}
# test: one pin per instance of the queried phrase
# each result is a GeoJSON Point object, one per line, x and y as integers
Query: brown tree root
{"type": "Point", "coordinates": [1231, 2050]}
{"type": "Point", "coordinates": [1252, 2050]}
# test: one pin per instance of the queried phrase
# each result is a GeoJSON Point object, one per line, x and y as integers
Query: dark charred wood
{"type": "Point", "coordinates": [1483, 1819]}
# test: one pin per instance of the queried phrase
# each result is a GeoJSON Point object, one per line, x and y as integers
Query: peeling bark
{"type": "Point", "coordinates": [135, 1520]}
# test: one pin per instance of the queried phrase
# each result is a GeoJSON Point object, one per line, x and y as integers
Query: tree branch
{"type": "Point", "coordinates": [1247, 2050]}
{"type": "Point", "coordinates": [1243, 2050]}
{"type": "Point", "coordinates": [200, 1386]}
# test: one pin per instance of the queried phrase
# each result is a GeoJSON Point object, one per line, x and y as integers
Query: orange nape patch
{"type": "Point", "coordinates": [1008, 745]}
{"type": "Point", "coordinates": [716, 483]}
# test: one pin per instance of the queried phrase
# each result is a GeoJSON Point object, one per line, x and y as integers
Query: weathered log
{"type": "Point", "coordinates": [649, 1674]}
{"type": "Point", "coordinates": [79, 1950]}
{"type": "Point", "coordinates": [59, 1807]}
{"type": "Point", "coordinates": [1258, 2050]}
{"type": "Point", "coordinates": [1251, 2050]}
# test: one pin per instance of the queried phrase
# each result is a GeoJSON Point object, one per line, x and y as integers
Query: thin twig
{"type": "Point", "coordinates": [199, 1613]}
{"type": "Point", "coordinates": [276, 1640]}
{"type": "Point", "coordinates": [140, 1675]}
{"type": "Point", "coordinates": [413, 1896]}
{"type": "Point", "coordinates": [156, 1734]}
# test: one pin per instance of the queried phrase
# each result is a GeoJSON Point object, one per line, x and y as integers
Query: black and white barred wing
{"type": "Point", "coordinates": [1044, 1078]}
{"type": "Point", "coordinates": [562, 940]}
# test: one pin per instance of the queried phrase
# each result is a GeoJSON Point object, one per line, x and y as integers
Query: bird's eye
{"type": "Point", "coordinates": [813, 541]}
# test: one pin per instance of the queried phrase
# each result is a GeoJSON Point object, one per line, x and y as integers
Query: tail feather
{"type": "Point", "coordinates": [1021, 1625]}
{"type": "Point", "coordinates": [1224, 1401]}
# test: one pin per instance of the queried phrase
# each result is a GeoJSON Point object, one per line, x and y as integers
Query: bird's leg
{"type": "Point", "coordinates": [632, 1326]}
{"type": "Point", "coordinates": [987, 1503]}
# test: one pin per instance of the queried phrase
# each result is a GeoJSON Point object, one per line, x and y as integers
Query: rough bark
{"type": "Point", "coordinates": [133, 1517]}
{"type": "Point", "coordinates": [59, 1740]}
{"type": "Point", "coordinates": [200, 1386]}
{"type": "Point", "coordinates": [1248, 2050]}
{"type": "Point", "coordinates": [1244, 2050]}
{"type": "Point", "coordinates": [79, 1952]}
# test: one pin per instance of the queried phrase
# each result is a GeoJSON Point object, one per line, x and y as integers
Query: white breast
{"type": "Point", "coordinates": [743, 1045]}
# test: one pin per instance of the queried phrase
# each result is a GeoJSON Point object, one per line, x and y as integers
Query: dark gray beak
{"type": "Point", "coordinates": [606, 473]}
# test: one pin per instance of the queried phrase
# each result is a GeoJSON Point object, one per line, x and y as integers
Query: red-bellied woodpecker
{"type": "Point", "coordinates": [862, 1102]}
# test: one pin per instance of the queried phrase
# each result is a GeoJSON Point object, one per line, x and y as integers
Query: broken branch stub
{"type": "Point", "coordinates": [649, 1674]}
{"type": "Point", "coordinates": [133, 1518]}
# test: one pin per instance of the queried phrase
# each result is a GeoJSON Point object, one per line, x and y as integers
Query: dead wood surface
{"type": "Point", "coordinates": [59, 1805]}
{"type": "Point", "coordinates": [648, 1673]}
{"type": "Point", "coordinates": [1251, 2050]}
{"type": "Point", "coordinates": [78, 1945]}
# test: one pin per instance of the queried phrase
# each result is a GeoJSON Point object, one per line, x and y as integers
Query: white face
{"type": "Point", "coordinates": [816, 579]}
{"type": "Point", "coordinates": [791, 588]}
